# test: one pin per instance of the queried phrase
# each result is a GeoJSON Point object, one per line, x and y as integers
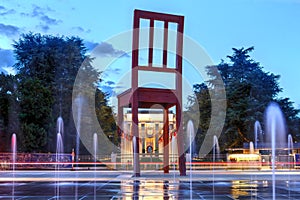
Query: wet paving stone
{"type": "Point", "coordinates": [124, 186]}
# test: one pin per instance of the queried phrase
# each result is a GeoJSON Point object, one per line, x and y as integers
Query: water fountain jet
{"type": "Point", "coordinates": [290, 144]}
{"type": "Point", "coordinates": [251, 147]}
{"type": "Point", "coordinates": [258, 134]}
{"type": "Point", "coordinates": [191, 135]}
{"type": "Point", "coordinates": [216, 154]}
{"type": "Point", "coordinates": [58, 159]}
{"type": "Point", "coordinates": [276, 135]}
{"type": "Point", "coordinates": [216, 149]}
{"type": "Point", "coordinates": [79, 103]}
{"type": "Point", "coordinates": [60, 126]}
{"type": "Point", "coordinates": [95, 145]}
{"type": "Point", "coordinates": [290, 151]}
{"type": "Point", "coordinates": [14, 158]}
{"type": "Point", "coordinates": [135, 156]}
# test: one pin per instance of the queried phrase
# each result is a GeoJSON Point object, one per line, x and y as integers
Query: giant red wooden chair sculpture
{"type": "Point", "coordinates": [141, 97]}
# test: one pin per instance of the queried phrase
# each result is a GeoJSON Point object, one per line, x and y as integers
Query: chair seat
{"type": "Point", "coordinates": [147, 97]}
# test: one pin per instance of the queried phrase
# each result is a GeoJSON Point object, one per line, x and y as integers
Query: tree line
{"type": "Point", "coordinates": [249, 90]}
{"type": "Point", "coordinates": [41, 91]}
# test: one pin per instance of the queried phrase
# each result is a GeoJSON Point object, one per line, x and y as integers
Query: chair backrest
{"type": "Point", "coordinates": [166, 20]}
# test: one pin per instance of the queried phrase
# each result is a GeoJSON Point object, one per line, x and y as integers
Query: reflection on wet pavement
{"type": "Point", "coordinates": [127, 187]}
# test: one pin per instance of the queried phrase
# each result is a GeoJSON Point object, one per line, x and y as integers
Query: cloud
{"type": "Point", "coordinates": [40, 13]}
{"type": "Point", "coordinates": [4, 11]}
{"type": "Point", "coordinates": [9, 70]}
{"type": "Point", "coordinates": [7, 60]}
{"type": "Point", "coordinates": [37, 11]}
{"type": "Point", "coordinates": [110, 70]}
{"type": "Point", "coordinates": [7, 57]}
{"type": "Point", "coordinates": [90, 45]}
{"type": "Point", "coordinates": [80, 29]}
{"type": "Point", "coordinates": [108, 90]}
{"type": "Point", "coordinates": [49, 9]}
{"type": "Point", "coordinates": [116, 70]}
{"type": "Point", "coordinates": [9, 30]}
{"type": "Point", "coordinates": [107, 50]}
{"type": "Point", "coordinates": [43, 27]}
{"type": "Point", "coordinates": [49, 20]}
{"type": "Point", "coordinates": [110, 83]}
{"type": "Point", "coordinates": [104, 49]}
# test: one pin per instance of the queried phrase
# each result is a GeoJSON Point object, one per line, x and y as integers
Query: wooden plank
{"type": "Point", "coordinates": [135, 52]}
{"type": "Point", "coordinates": [157, 95]}
{"type": "Point", "coordinates": [157, 16]}
{"type": "Point", "coordinates": [151, 38]}
{"type": "Point", "coordinates": [135, 133]}
{"type": "Point", "coordinates": [120, 120]}
{"type": "Point", "coordinates": [165, 51]}
{"type": "Point", "coordinates": [166, 140]}
{"type": "Point", "coordinates": [157, 69]}
{"type": "Point", "coordinates": [180, 141]}
{"type": "Point", "coordinates": [124, 98]}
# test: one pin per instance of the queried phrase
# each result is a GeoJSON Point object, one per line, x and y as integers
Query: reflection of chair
{"type": "Point", "coordinates": [142, 97]}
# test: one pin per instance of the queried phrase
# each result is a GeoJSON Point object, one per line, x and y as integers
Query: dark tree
{"type": "Point", "coordinates": [9, 120]}
{"type": "Point", "coordinates": [105, 117]}
{"type": "Point", "coordinates": [249, 90]}
{"type": "Point", "coordinates": [203, 106]}
{"type": "Point", "coordinates": [35, 103]}
{"type": "Point", "coordinates": [47, 67]}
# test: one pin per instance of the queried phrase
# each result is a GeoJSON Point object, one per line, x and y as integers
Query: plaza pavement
{"type": "Point", "coordinates": [200, 184]}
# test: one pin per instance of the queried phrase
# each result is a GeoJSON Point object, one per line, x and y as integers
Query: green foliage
{"type": "Point", "coordinates": [105, 117]}
{"type": "Point", "coordinates": [9, 122]}
{"type": "Point", "coordinates": [35, 101]}
{"type": "Point", "coordinates": [248, 90]}
{"type": "Point", "coordinates": [35, 137]}
{"type": "Point", "coordinates": [201, 102]}
{"type": "Point", "coordinates": [291, 116]}
{"type": "Point", "coordinates": [5, 89]}
{"type": "Point", "coordinates": [35, 104]}
{"type": "Point", "coordinates": [47, 67]}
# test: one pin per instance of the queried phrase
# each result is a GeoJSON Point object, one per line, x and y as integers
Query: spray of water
{"type": "Point", "coordinates": [251, 147]}
{"type": "Point", "coordinates": [290, 144]}
{"type": "Point", "coordinates": [191, 135]}
{"type": "Point", "coordinates": [290, 151]}
{"type": "Point", "coordinates": [58, 159]}
{"type": "Point", "coordinates": [216, 155]}
{"type": "Point", "coordinates": [60, 126]}
{"type": "Point", "coordinates": [258, 134]}
{"type": "Point", "coordinates": [79, 104]}
{"type": "Point", "coordinates": [14, 157]}
{"type": "Point", "coordinates": [95, 145]}
{"type": "Point", "coordinates": [276, 135]}
{"type": "Point", "coordinates": [174, 155]}
{"type": "Point", "coordinates": [135, 155]}
{"type": "Point", "coordinates": [216, 149]}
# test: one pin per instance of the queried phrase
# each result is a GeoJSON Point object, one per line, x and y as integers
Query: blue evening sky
{"type": "Point", "coordinates": [271, 26]}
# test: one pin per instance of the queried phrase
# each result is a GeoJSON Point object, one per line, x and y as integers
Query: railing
{"type": "Point", "coordinates": [147, 162]}
{"type": "Point", "coordinates": [34, 160]}
{"type": "Point", "coordinates": [49, 161]}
